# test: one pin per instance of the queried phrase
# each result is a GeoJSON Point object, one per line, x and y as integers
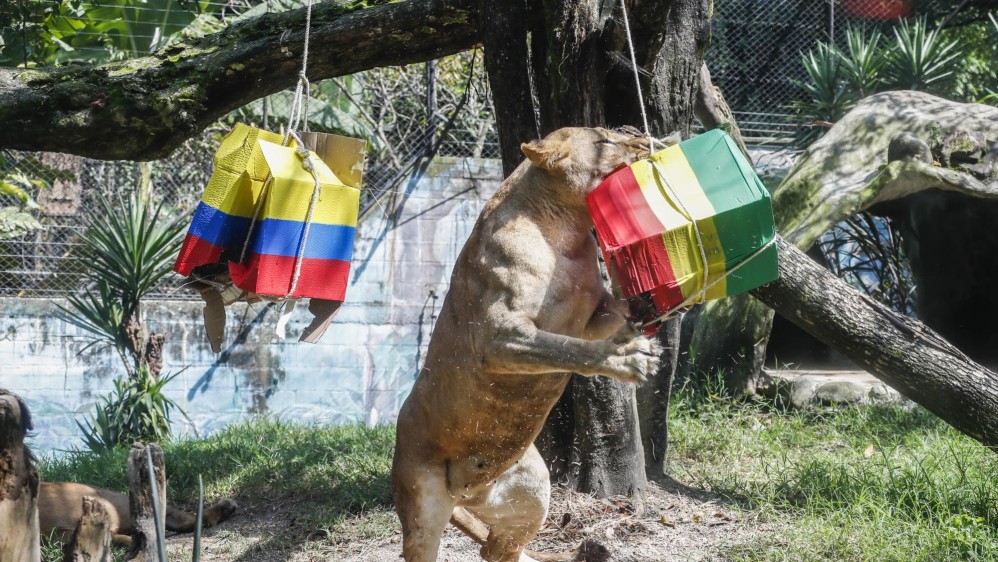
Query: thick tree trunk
{"type": "Point", "coordinates": [91, 540]}
{"type": "Point", "coordinates": [143, 108]}
{"type": "Point", "coordinates": [19, 538]}
{"type": "Point", "coordinates": [567, 69]}
{"type": "Point", "coordinates": [900, 351]}
{"type": "Point", "coordinates": [653, 403]}
{"type": "Point", "coordinates": [140, 501]}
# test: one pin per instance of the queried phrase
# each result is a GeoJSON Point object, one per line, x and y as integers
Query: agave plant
{"type": "Point", "coordinates": [136, 410]}
{"type": "Point", "coordinates": [922, 58]}
{"type": "Point", "coordinates": [827, 94]}
{"type": "Point", "coordinates": [127, 251]}
{"type": "Point", "coordinates": [864, 60]}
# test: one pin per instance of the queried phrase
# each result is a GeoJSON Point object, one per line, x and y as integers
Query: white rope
{"type": "Point", "coordinates": [637, 77]}
{"type": "Point", "coordinates": [299, 111]}
{"type": "Point", "coordinates": [689, 216]}
{"type": "Point", "coordinates": [307, 163]}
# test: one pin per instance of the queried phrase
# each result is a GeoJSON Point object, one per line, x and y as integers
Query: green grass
{"type": "Point", "coordinates": [330, 473]}
{"type": "Point", "coordinates": [862, 483]}
{"type": "Point", "coordinates": [874, 483]}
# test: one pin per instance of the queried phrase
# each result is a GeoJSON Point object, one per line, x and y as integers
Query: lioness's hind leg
{"type": "Point", "coordinates": [424, 507]}
{"type": "Point", "coordinates": [515, 508]}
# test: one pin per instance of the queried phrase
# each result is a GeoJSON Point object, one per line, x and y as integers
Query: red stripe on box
{"type": "Point", "coordinates": [642, 265]}
{"type": "Point", "coordinates": [194, 252]}
{"type": "Point", "coordinates": [667, 296]}
{"type": "Point", "coordinates": [620, 212]}
{"type": "Point", "coordinates": [271, 275]}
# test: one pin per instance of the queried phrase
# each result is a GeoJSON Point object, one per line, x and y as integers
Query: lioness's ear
{"type": "Point", "coordinates": [544, 153]}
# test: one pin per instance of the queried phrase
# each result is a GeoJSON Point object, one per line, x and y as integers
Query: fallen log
{"type": "Point", "coordinates": [19, 537]}
{"type": "Point", "coordinates": [901, 351]}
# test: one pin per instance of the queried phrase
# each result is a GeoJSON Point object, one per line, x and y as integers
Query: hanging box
{"type": "Point", "coordinates": [651, 245]}
{"type": "Point", "coordinates": [277, 238]}
{"type": "Point", "coordinates": [222, 218]}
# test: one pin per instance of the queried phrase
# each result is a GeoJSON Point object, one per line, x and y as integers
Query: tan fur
{"type": "Point", "coordinates": [60, 507]}
{"type": "Point", "coordinates": [527, 306]}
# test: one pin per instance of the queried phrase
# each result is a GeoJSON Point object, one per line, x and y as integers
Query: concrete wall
{"type": "Point", "coordinates": [360, 371]}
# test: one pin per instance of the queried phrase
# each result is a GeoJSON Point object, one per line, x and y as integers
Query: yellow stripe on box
{"type": "Point", "coordinates": [680, 238]}
{"type": "Point", "coordinates": [336, 204]}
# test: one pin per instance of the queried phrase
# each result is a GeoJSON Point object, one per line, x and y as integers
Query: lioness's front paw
{"type": "Point", "coordinates": [636, 360]}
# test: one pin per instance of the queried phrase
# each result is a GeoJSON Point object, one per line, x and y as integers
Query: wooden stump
{"type": "Point", "coordinates": [140, 501]}
{"type": "Point", "coordinates": [19, 537]}
{"type": "Point", "coordinates": [92, 537]}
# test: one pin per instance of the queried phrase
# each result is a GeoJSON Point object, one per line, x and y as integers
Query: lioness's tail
{"type": "Point", "coordinates": [183, 522]}
{"type": "Point", "coordinates": [588, 551]}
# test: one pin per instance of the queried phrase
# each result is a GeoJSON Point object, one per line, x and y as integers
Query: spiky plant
{"type": "Point", "coordinates": [922, 58]}
{"type": "Point", "coordinates": [127, 250]}
{"type": "Point", "coordinates": [864, 60]}
{"type": "Point", "coordinates": [827, 96]}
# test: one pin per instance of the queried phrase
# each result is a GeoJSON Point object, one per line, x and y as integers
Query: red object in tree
{"type": "Point", "coordinates": [877, 9]}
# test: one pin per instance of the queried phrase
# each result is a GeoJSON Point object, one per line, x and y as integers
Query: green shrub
{"type": "Point", "coordinates": [136, 410]}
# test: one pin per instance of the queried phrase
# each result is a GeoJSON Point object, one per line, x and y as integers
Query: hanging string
{"type": "Point", "coordinates": [299, 111]}
{"type": "Point", "coordinates": [689, 216]}
{"type": "Point", "coordinates": [637, 77]}
{"type": "Point", "coordinates": [674, 196]}
{"type": "Point", "coordinates": [306, 158]}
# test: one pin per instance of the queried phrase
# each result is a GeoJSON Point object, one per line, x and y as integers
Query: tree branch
{"type": "Point", "coordinates": [143, 108]}
{"type": "Point", "coordinates": [900, 351]}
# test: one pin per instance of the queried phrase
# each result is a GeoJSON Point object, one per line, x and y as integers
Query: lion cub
{"type": "Point", "coordinates": [526, 307]}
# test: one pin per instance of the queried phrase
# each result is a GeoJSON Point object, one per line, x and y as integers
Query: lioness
{"type": "Point", "coordinates": [527, 306]}
{"type": "Point", "coordinates": [60, 507]}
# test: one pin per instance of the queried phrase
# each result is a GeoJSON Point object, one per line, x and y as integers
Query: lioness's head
{"type": "Point", "coordinates": [583, 156]}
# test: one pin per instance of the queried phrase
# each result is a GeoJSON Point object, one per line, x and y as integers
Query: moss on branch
{"type": "Point", "coordinates": [143, 108]}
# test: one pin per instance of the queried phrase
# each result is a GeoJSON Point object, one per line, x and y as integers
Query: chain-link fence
{"type": "Point", "coordinates": [756, 47]}
{"type": "Point", "coordinates": [408, 114]}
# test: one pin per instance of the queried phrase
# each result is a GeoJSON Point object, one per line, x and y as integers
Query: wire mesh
{"type": "Point", "coordinates": [756, 47]}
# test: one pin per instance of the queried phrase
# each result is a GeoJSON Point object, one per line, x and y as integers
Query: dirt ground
{"type": "Point", "coordinates": [678, 524]}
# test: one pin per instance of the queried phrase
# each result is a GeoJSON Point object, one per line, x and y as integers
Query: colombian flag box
{"type": "Point", "coordinates": [286, 233]}
{"type": "Point", "coordinates": [222, 219]}
{"type": "Point", "coordinates": [649, 217]}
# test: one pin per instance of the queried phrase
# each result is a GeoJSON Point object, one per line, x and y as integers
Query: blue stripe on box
{"type": "Point", "coordinates": [277, 237]}
{"type": "Point", "coordinates": [217, 227]}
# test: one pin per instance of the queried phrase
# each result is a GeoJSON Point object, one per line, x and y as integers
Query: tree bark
{"type": "Point", "coordinates": [140, 501]}
{"type": "Point", "coordinates": [19, 537]}
{"type": "Point", "coordinates": [653, 403]}
{"type": "Point", "coordinates": [91, 540]}
{"type": "Point", "coordinates": [899, 350]}
{"type": "Point", "coordinates": [143, 108]}
{"type": "Point", "coordinates": [565, 63]}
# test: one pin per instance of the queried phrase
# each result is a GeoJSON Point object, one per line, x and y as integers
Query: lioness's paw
{"type": "Point", "coordinates": [635, 360]}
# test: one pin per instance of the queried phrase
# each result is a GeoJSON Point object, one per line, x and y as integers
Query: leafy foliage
{"type": "Point", "coordinates": [922, 59]}
{"type": "Point", "coordinates": [128, 250]}
{"type": "Point", "coordinates": [863, 60]}
{"type": "Point", "coordinates": [136, 410]}
{"type": "Point", "coordinates": [919, 58]}
{"type": "Point", "coordinates": [828, 96]}
{"type": "Point", "coordinates": [46, 32]}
